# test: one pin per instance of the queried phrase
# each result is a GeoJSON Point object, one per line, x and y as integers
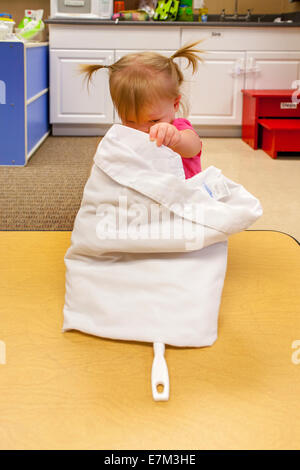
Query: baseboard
{"type": "Point", "coordinates": [101, 129]}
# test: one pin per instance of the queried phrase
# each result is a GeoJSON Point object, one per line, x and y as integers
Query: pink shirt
{"type": "Point", "coordinates": [191, 166]}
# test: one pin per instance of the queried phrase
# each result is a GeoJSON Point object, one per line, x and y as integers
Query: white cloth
{"type": "Point", "coordinates": [148, 253]}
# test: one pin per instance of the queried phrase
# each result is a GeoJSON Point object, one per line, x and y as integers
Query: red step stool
{"type": "Point", "coordinates": [280, 135]}
{"type": "Point", "coordinates": [271, 105]}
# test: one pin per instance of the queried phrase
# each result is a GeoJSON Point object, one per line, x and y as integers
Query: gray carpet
{"type": "Point", "coordinates": [47, 192]}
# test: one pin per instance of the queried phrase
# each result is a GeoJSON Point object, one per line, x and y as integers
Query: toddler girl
{"type": "Point", "coordinates": [145, 90]}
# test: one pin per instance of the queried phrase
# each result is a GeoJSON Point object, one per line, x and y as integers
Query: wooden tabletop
{"type": "Point", "coordinates": [76, 391]}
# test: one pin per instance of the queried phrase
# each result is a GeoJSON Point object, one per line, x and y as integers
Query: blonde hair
{"type": "Point", "coordinates": [135, 80]}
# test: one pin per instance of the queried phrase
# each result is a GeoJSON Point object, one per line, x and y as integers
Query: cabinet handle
{"type": "Point", "coordinates": [255, 68]}
{"type": "Point", "coordinates": [251, 65]}
{"type": "Point", "coordinates": [239, 68]}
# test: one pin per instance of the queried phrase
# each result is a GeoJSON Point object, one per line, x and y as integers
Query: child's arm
{"type": "Point", "coordinates": [189, 145]}
{"type": "Point", "coordinates": [186, 142]}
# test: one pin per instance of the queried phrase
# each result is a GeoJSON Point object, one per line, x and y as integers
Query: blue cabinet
{"type": "Point", "coordinates": [24, 100]}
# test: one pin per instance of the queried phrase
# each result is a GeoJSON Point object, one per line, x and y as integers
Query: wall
{"type": "Point", "coordinates": [290, 7]}
{"type": "Point", "coordinates": [257, 6]}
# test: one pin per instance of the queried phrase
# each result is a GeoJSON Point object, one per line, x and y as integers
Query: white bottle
{"type": "Point", "coordinates": [106, 8]}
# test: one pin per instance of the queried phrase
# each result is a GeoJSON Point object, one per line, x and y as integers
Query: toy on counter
{"type": "Point", "coordinates": [203, 14]}
{"type": "Point", "coordinates": [31, 25]}
{"type": "Point", "coordinates": [148, 6]}
{"type": "Point", "coordinates": [203, 11]}
{"type": "Point", "coordinates": [119, 6]}
{"type": "Point", "coordinates": [131, 15]}
{"type": "Point", "coordinates": [166, 10]}
{"type": "Point", "coordinates": [185, 11]}
{"type": "Point", "coordinates": [6, 26]}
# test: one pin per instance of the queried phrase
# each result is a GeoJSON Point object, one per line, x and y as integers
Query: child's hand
{"type": "Point", "coordinates": [165, 134]}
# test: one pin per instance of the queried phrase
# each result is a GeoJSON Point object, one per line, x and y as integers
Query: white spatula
{"type": "Point", "coordinates": [160, 374]}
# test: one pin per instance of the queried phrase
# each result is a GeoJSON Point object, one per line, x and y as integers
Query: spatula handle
{"type": "Point", "coordinates": [160, 374]}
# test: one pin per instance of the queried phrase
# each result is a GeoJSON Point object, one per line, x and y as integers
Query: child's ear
{"type": "Point", "coordinates": [176, 102]}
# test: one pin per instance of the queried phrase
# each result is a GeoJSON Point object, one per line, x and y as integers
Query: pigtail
{"type": "Point", "coordinates": [190, 54]}
{"type": "Point", "coordinates": [88, 70]}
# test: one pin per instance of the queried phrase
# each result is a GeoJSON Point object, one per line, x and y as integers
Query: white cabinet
{"type": "Point", "coordinates": [111, 36]}
{"type": "Point", "coordinates": [71, 102]}
{"type": "Point", "coordinates": [235, 58]}
{"type": "Point", "coordinates": [214, 92]}
{"type": "Point", "coordinates": [271, 70]}
{"type": "Point", "coordinates": [244, 38]}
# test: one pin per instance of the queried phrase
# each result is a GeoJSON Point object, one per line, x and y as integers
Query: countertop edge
{"type": "Point", "coordinates": [199, 24]}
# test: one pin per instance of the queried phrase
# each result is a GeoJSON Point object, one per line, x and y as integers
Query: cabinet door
{"type": "Point", "coordinates": [272, 70]}
{"type": "Point", "coordinates": [70, 101]}
{"type": "Point", "coordinates": [121, 53]}
{"type": "Point", "coordinates": [214, 91]}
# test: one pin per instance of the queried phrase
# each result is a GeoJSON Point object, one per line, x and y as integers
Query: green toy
{"type": "Point", "coordinates": [185, 14]}
{"type": "Point", "coordinates": [185, 11]}
{"type": "Point", "coordinates": [166, 10]}
{"type": "Point", "coordinates": [31, 25]}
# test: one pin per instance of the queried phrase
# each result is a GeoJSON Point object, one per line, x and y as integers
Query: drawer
{"type": "Point", "coordinates": [279, 106]}
{"type": "Point", "coordinates": [220, 38]}
{"type": "Point", "coordinates": [114, 37]}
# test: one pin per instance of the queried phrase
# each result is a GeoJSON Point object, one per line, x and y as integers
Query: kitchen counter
{"type": "Point", "coordinates": [213, 20]}
{"type": "Point", "coordinates": [236, 57]}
